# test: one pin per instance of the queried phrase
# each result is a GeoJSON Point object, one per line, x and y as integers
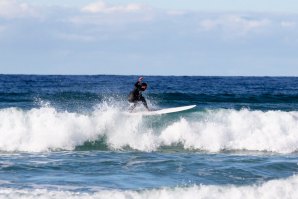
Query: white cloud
{"type": "Point", "coordinates": [234, 23]}
{"type": "Point", "coordinates": [288, 24]}
{"type": "Point", "coordinates": [11, 9]}
{"type": "Point", "coordinates": [102, 7]}
{"type": "Point", "coordinates": [102, 13]}
{"type": "Point", "coordinates": [116, 21]}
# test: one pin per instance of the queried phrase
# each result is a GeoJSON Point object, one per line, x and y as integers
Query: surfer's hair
{"type": "Point", "coordinates": [143, 86]}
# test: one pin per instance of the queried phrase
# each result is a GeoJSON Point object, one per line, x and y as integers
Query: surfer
{"type": "Point", "coordinates": [135, 96]}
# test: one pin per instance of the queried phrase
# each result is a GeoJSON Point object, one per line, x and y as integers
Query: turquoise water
{"type": "Point", "coordinates": [69, 137]}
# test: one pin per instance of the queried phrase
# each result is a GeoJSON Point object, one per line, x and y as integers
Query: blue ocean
{"type": "Point", "coordinates": [71, 137]}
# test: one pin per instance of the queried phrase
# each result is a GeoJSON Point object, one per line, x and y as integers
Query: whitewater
{"type": "Point", "coordinates": [46, 129]}
{"type": "Point", "coordinates": [270, 190]}
{"type": "Point", "coordinates": [71, 137]}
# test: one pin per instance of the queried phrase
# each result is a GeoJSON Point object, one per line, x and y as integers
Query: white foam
{"type": "Point", "coordinates": [284, 188]}
{"type": "Point", "coordinates": [274, 131]}
{"type": "Point", "coordinates": [46, 129]}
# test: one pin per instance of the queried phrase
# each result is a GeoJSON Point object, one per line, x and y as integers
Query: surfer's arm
{"type": "Point", "coordinates": [139, 82]}
{"type": "Point", "coordinates": [138, 85]}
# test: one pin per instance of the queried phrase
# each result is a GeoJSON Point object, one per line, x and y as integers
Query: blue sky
{"type": "Point", "coordinates": [148, 37]}
{"type": "Point", "coordinates": [286, 6]}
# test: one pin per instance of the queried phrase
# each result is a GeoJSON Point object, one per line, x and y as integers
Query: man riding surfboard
{"type": "Point", "coordinates": [135, 95]}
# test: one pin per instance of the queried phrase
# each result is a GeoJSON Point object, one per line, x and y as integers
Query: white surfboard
{"type": "Point", "coordinates": [164, 111]}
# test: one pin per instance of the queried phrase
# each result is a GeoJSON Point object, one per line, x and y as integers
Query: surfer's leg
{"type": "Point", "coordinates": [144, 102]}
{"type": "Point", "coordinates": [133, 106]}
{"type": "Point", "coordinates": [131, 97]}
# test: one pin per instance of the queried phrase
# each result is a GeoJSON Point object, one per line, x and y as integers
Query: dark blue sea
{"type": "Point", "coordinates": [72, 137]}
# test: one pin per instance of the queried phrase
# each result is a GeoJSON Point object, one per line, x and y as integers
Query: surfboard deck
{"type": "Point", "coordinates": [164, 111]}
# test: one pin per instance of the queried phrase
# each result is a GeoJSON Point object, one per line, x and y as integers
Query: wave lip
{"type": "Point", "coordinates": [46, 129]}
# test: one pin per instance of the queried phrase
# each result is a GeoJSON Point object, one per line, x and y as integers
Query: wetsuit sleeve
{"type": "Point", "coordinates": [138, 85]}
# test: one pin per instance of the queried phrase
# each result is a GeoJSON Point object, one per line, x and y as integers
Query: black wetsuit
{"type": "Point", "coordinates": [136, 95]}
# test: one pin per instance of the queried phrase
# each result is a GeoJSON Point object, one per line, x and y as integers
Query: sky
{"type": "Point", "coordinates": [149, 37]}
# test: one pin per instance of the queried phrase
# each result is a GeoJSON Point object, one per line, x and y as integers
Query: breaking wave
{"type": "Point", "coordinates": [285, 188]}
{"type": "Point", "coordinates": [47, 129]}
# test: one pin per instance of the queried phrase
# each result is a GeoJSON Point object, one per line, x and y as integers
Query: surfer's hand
{"type": "Point", "coordinates": [140, 79]}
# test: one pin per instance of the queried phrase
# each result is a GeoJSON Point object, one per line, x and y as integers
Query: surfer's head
{"type": "Point", "coordinates": [143, 86]}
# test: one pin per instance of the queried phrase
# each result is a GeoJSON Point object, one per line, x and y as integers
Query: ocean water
{"type": "Point", "coordinates": [70, 137]}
